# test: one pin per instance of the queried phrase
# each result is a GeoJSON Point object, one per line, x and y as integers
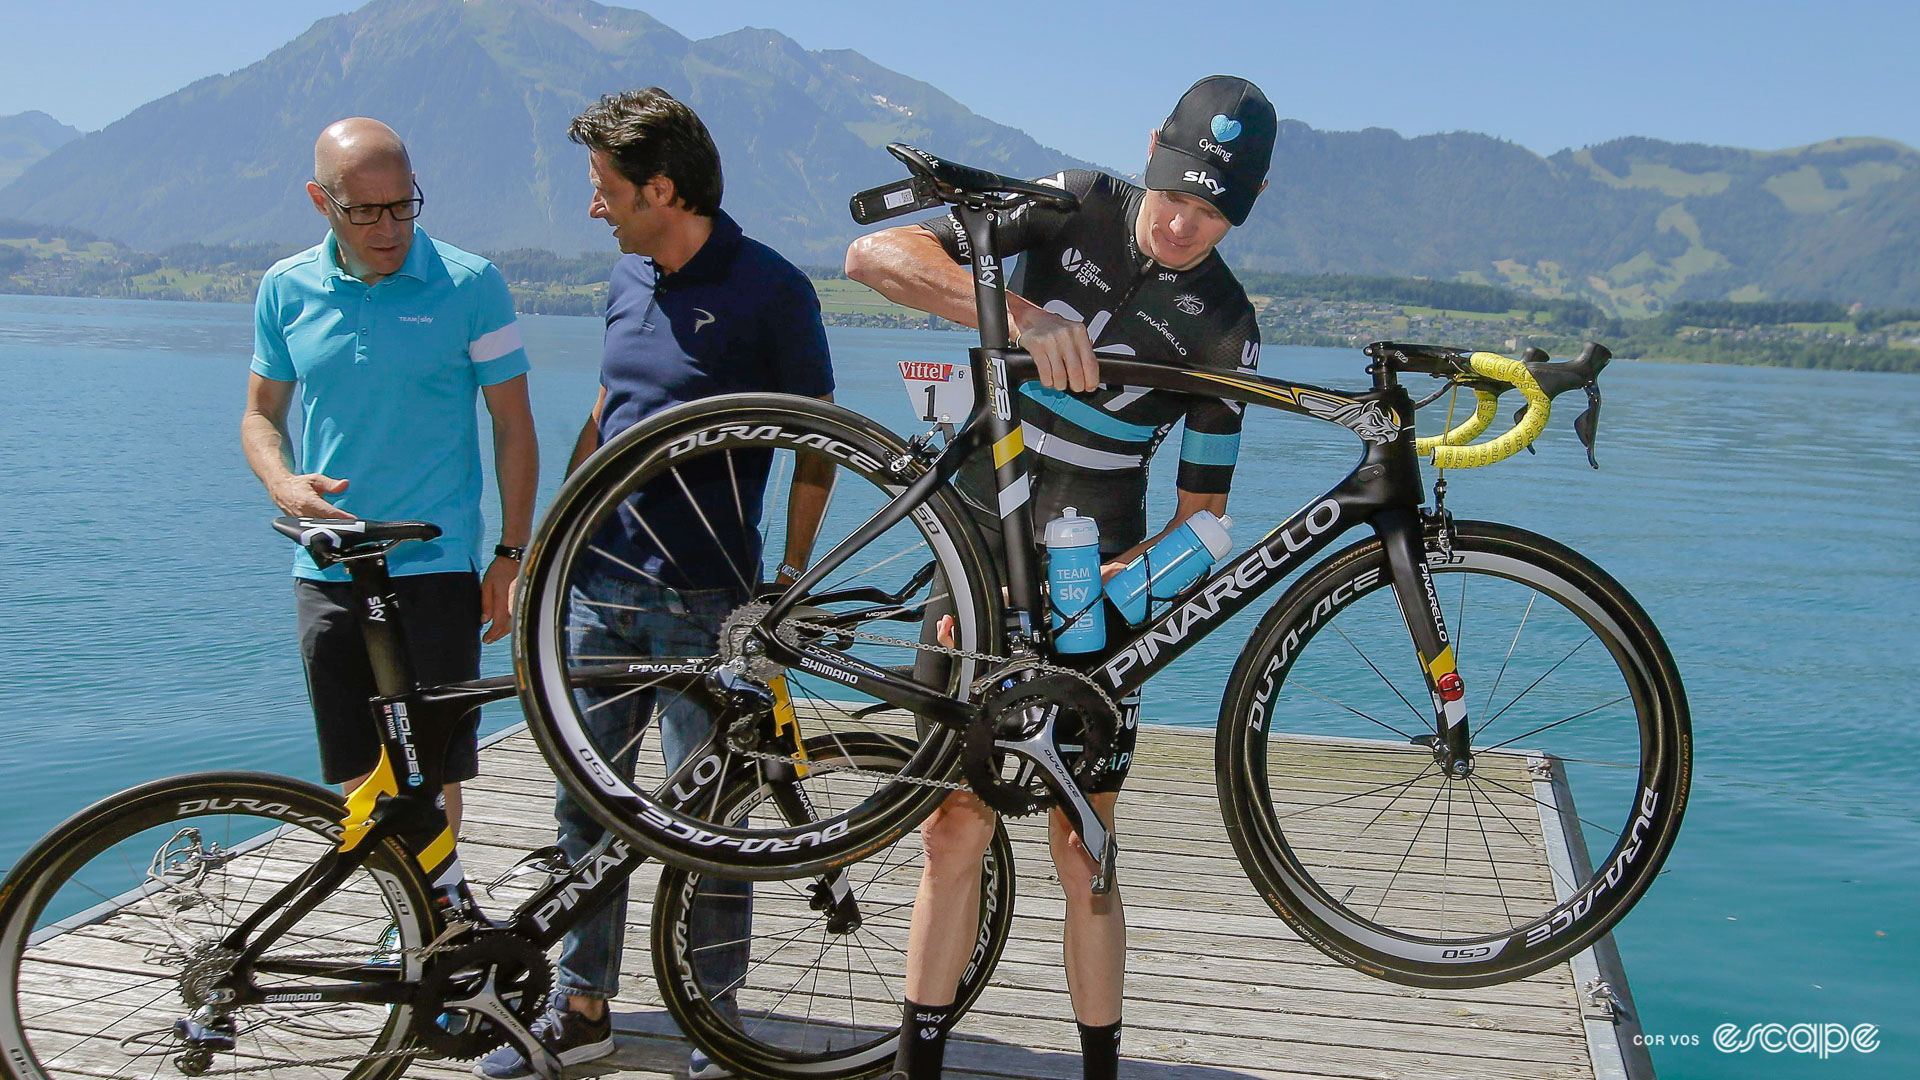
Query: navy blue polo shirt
{"type": "Point", "coordinates": [737, 318]}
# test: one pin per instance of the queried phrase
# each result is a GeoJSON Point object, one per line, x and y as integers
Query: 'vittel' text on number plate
{"type": "Point", "coordinates": [940, 393]}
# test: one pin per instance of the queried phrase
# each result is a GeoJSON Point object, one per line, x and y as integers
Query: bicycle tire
{"type": "Point", "coordinates": [1294, 807]}
{"type": "Point", "coordinates": [104, 936]}
{"type": "Point", "coordinates": [849, 1024]}
{"type": "Point", "coordinates": [870, 465]}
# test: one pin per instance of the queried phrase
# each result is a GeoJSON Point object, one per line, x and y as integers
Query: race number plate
{"type": "Point", "coordinates": [940, 393]}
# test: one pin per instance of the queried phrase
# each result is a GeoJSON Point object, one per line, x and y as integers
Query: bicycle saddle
{"type": "Point", "coordinates": [963, 181]}
{"type": "Point", "coordinates": [330, 539]}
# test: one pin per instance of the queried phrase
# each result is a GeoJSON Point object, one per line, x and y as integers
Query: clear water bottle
{"type": "Point", "coordinates": [1073, 583]}
{"type": "Point", "coordinates": [1167, 568]}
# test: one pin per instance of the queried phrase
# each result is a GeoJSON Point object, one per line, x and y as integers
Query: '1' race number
{"type": "Point", "coordinates": [940, 393]}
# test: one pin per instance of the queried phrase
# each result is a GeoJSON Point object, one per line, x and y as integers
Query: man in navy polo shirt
{"type": "Point", "coordinates": [388, 336]}
{"type": "Point", "coordinates": [694, 309]}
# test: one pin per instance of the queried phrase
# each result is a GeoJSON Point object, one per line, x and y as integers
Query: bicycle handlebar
{"type": "Point", "coordinates": [1456, 455]}
{"type": "Point", "coordinates": [1489, 375]}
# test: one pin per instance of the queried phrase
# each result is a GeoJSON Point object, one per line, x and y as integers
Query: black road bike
{"type": "Point", "coordinates": [228, 923]}
{"type": "Point", "coordinates": [1447, 687]}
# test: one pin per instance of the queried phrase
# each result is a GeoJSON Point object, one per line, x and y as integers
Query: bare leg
{"type": "Point", "coordinates": [455, 804]}
{"type": "Point", "coordinates": [940, 938]}
{"type": "Point", "coordinates": [1096, 927]}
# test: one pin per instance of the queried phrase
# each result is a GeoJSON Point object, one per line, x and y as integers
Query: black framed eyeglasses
{"type": "Point", "coordinates": [369, 213]}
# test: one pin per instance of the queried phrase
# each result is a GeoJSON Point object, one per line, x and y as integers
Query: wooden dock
{"type": "Point", "coordinates": [1218, 987]}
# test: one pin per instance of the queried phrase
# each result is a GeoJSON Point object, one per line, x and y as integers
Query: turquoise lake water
{"type": "Point", "coordinates": [1768, 519]}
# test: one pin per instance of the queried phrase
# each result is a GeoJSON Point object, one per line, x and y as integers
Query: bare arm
{"type": "Point", "coordinates": [589, 439]}
{"type": "Point", "coordinates": [1186, 504]}
{"type": "Point", "coordinates": [909, 267]}
{"type": "Point", "coordinates": [263, 436]}
{"type": "Point", "coordinates": [516, 467]}
{"type": "Point", "coordinates": [812, 487]}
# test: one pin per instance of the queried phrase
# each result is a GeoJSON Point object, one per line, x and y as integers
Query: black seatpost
{"type": "Point", "coordinates": [379, 614]}
{"type": "Point", "coordinates": [1010, 476]}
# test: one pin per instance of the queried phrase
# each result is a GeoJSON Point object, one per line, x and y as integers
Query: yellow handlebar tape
{"type": "Point", "coordinates": [1468, 429]}
{"type": "Point", "coordinates": [1506, 370]}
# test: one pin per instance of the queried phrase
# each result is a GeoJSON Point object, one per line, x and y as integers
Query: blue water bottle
{"type": "Point", "coordinates": [1167, 568]}
{"type": "Point", "coordinates": [1073, 583]}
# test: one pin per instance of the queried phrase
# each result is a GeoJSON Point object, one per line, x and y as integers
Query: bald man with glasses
{"type": "Point", "coordinates": [388, 336]}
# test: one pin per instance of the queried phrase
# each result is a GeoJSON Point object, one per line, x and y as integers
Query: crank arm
{"type": "Point", "coordinates": [1039, 751]}
{"type": "Point", "coordinates": [487, 1002]}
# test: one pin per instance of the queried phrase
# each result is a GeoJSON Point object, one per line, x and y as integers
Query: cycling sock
{"type": "Point", "coordinates": [923, 1041]}
{"type": "Point", "coordinates": [1100, 1051]}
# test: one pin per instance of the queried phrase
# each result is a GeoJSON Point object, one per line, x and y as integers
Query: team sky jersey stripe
{"type": "Point", "coordinates": [1201, 448]}
{"type": "Point", "coordinates": [1056, 446]}
{"type": "Point", "coordinates": [1075, 411]}
{"type": "Point", "coordinates": [1092, 449]}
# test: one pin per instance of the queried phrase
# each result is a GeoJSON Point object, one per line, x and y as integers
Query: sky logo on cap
{"type": "Point", "coordinates": [1225, 128]}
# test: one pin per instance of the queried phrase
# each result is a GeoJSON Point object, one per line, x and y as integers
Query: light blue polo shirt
{"type": "Point", "coordinates": [389, 376]}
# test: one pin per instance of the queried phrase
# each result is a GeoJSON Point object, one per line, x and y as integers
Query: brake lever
{"type": "Point", "coordinates": [1587, 424]}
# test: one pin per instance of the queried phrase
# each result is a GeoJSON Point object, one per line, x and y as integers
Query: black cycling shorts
{"type": "Point", "coordinates": [442, 622]}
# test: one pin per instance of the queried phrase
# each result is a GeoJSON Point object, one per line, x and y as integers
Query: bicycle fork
{"type": "Point", "coordinates": [1401, 536]}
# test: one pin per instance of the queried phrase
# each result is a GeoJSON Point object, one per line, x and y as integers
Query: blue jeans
{"type": "Point", "coordinates": [613, 616]}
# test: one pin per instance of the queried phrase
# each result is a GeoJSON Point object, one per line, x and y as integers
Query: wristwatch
{"type": "Point", "coordinates": [502, 551]}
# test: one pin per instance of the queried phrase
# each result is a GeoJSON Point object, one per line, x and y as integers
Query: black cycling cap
{"type": "Point", "coordinates": [1216, 144]}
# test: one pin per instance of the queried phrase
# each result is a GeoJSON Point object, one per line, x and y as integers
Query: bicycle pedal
{"type": "Point", "coordinates": [1108, 875]}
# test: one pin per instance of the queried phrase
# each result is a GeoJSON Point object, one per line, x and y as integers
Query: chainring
{"type": "Point", "coordinates": [515, 968]}
{"type": "Point", "coordinates": [1016, 703]}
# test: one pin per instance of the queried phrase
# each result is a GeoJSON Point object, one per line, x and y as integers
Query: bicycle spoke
{"type": "Point", "coordinates": [1487, 706]}
{"type": "Point", "coordinates": [1493, 866]}
{"type": "Point", "coordinates": [1358, 795]}
{"type": "Point", "coordinates": [746, 587]}
{"type": "Point", "coordinates": [1343, 705]}
{"type": "Point", "coordinates": [1395, 876]}
{"type": "Point", "coordinates": [1557, 723]}
{"type": "Point", "coordinates": [856, 575]}
{"type": "Point", "coordinates": [1417, 714]}
{"type": "Point", "coordinates": [1562, 878]}
{"type": "Point", "coordinates": [1536, 800]}
{"type": "Point", "coordinates": [1544, 676]}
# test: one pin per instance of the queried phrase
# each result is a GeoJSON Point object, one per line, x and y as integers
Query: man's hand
{"type": "Point", "coordinates": [302, 495]}
{"type": "Point", "coordinates": [496, 599]}
{"type": "Point", "coordinates": [1060, 348]}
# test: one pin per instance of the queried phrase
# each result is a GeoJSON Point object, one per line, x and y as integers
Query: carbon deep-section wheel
{"type": "Point", "coordinates": [805, 978]}
{"type": "Point", "coordinates": [638, 651]}
{"type": "Point", "coordinates": [115, 930]}
{"type": "Point", "coordinates": [1340, 809]}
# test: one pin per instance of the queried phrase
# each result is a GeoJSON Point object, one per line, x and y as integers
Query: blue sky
{"type": "Point", "coordinates": [1093, 78]}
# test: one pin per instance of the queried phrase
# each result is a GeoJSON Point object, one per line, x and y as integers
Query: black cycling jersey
{"type": "Point", "coordinates": [1092, 449]}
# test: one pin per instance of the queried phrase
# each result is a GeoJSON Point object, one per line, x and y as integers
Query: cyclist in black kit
{"type": "Point", "coordinates": [1133, 272]}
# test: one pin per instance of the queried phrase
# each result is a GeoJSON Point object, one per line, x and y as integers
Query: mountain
{"type": "Point", "coordinates": [1634, 224]}
{"type": "Point", "coordinates": [482, 91]}
{"type": "Point", "coordinates": [26, 138]}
